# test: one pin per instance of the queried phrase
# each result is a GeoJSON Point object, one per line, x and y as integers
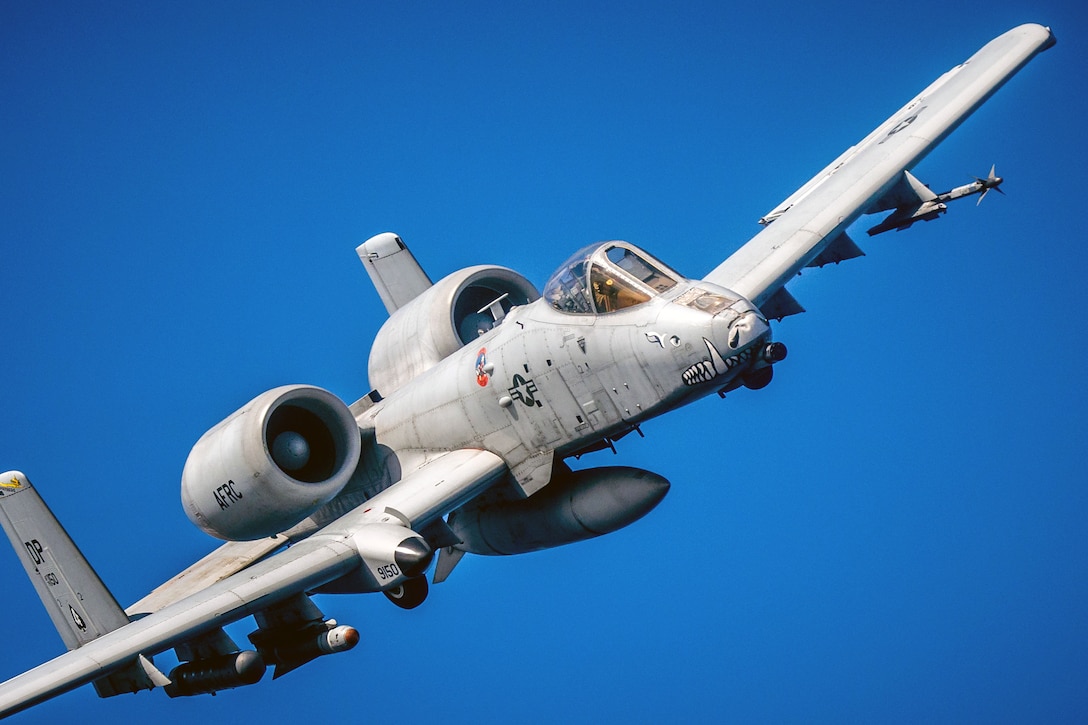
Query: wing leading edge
{"type": "Point", "coordinates": [819, 212]}
{"type": "Point", "coordinates": [352, 545]}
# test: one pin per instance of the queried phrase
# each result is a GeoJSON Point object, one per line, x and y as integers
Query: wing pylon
{"type": "Point", "coordinates": [357, 546]}
{"type": "Point", "coordinates": [914, 202]}
{"type": "Point", "coordinates": [876, 171]}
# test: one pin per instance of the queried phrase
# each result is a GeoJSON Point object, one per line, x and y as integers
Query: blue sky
{"type": "Point", "coordinates": [894, 530]}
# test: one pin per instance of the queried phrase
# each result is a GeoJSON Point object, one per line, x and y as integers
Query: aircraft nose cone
{"type": "Point", "coordinates": [739, 330]}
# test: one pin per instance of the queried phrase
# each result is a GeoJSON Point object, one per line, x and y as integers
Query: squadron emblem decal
{"type": "Point", "coordinates": [13, 485]}
{"type": "Point", "coordinates": [481, 365]}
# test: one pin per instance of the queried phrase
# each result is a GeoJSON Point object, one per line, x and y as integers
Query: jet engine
{"type": "Point", "coordinates": [447, 316]}
{"type": "Point", "coordinates": [272, 463]}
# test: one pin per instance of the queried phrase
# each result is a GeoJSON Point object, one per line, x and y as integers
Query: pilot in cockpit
{"type": "Point", "coordinates": [618, 277]}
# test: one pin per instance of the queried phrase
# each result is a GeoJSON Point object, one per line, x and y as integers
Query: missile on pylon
{"type": "Point", "coordinates": [914, 202]}
{"type": "Point", "coordinates": [290, 649]}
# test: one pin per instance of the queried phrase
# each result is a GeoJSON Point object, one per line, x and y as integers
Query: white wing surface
{"type": "Point", "coordinates": [230, 558]}
{"type": "Point", "coordinates": [817, 214]}
{"type": "Point", "coordinates": [358, 544]}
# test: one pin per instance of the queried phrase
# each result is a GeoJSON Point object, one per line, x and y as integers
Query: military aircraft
{"type": "Point", "coordinates": [482, 390]}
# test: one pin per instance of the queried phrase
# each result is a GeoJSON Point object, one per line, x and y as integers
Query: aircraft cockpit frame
{"type": "Point", "coordinates": [607, 277]}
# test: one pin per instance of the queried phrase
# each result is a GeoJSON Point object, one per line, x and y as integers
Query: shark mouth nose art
{"type": "Point", "coordinates": [716, 365]}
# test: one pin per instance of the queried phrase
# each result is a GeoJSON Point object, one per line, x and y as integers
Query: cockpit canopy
{"type": "Point", "coordinates": [605, 277]}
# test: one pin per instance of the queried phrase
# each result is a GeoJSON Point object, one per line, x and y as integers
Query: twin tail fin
{"type": "Point", "coordinates": [80, 605]}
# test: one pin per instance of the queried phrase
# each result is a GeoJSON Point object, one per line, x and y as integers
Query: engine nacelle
{"type": "Point", "coordinates": [282, 456]}
{"type": "Point", "coordinates": [441, 320]}
{"type": "Point", "coordinates": [573, 507]}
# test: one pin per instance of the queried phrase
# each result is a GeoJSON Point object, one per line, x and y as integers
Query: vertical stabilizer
{"type": "Point", "coordinates": [394, 271]}
{"type": "Point", "coordinates": [77, 601]}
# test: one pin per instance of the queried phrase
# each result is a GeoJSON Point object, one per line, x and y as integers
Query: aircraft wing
{"type": "Point", "coordinates": [809, 227]}
{"type": "Point", "coordinates": [228, 559]}
{"type": "Point", "coordinates": [360, 543]}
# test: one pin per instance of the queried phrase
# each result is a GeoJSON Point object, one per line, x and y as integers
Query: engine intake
{"type": "Point", "coordinates": [272, 463]}
{"type": "Point", "coordinates": [448, 315]}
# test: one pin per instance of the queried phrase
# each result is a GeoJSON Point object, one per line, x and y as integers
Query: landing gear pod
{"type": "Point", "coordinates": [409, 594]}
{"type": "Point", "coordinates": [272, 463]}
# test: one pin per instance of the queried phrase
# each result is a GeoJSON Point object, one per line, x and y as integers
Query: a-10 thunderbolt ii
{"type": "Point", "coordinates": [482, 388]}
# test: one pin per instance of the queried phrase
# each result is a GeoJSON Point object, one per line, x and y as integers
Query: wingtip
{"type": "Point", "coordinates": [1051, 40]}
{"type": "Point", "coordinates": [1047, 40]}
